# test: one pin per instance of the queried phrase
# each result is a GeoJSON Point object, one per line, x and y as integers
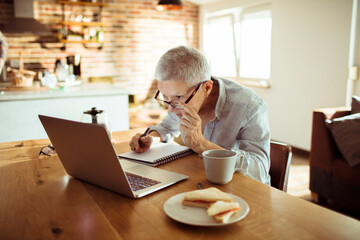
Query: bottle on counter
{"type": "Point", "coordinates": [62, 71]}
{"type": "Point", "coordinates": [100, 35]}
{"type": "Point", "coordinates": [48, 79]}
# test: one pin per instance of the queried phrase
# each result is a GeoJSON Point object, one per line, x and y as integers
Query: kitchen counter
{"type": "Point", "coordinates": [19, 110]}
{"type": "Point", "coordinates": [67, 92]}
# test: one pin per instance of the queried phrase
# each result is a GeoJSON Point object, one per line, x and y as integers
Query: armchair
{"type": "Point", "coordinates": [331, 177]}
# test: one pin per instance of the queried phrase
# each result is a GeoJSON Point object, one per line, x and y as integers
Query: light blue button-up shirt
{"type": "Point", "coordinates": [240, 124]}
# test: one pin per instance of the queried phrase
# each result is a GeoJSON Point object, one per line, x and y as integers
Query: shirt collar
{"type": "Point", "coordinates": [222, 97]}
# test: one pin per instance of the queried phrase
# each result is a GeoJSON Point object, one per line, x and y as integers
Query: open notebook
{"type": "Point", "coordinates": [158, 154]}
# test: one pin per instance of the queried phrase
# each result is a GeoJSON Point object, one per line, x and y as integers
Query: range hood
{"type": "Point", "coordinates": [24, 22]}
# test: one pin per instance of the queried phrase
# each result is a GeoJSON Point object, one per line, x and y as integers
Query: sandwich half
{"type": "Point", "coordinates": [205, 197]}
{"type": "Point", "coordinates": [222, 211]}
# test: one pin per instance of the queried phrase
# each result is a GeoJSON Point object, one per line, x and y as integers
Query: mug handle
{"type": "Point", "coordinates": [241, 157]}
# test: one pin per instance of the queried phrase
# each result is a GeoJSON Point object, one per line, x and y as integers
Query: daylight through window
{"type": "Point", "coordinates": [238, 44]}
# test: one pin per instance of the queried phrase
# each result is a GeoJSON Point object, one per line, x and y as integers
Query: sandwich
{"type": "Point", "coordinates": [222, 211]}
{"type": "Point", "coordinates": [203, 198]}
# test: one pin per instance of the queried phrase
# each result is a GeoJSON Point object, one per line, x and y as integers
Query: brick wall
{"type": "Point", "coordinates": [136, 35]}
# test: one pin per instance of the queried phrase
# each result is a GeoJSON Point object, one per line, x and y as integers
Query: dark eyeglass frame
{"type": "Point", "coordinates": [172, 103]}
{"type": "Point", "coordinates": [48, 150]}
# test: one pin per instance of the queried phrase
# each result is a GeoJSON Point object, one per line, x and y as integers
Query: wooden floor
{"type": "Point", "coordinates": [299, 176]}
{"type": "Point", "coordinates": [298, 185]}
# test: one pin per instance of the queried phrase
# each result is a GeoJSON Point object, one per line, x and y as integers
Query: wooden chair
{"type": "Point", "coordinates": [280, 157]}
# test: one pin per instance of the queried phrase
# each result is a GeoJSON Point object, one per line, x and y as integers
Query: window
{"type": "Point", "coordinates": [238, 44]}
{"type": "Point", "coordinates": [221, 46]}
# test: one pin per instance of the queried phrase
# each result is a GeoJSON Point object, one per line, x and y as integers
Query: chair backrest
{"type": "Point", "coordinates": [280, 157]}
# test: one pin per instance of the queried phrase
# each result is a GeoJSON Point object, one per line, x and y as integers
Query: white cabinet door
{"type": "Point", "coordinates": [19, 119]}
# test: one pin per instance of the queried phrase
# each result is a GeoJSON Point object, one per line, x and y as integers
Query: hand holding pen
{"type": "Point", "coordinates": [141, 142]}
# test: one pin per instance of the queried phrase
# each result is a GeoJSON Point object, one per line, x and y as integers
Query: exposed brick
{"type": "Point", "coordinates": [136, 35]}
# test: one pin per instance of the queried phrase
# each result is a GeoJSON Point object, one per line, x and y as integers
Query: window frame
{"type": "Point", "coordinates": [237, 16]}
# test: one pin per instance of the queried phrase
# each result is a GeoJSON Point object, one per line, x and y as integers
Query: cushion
{"type": "Point", "coordinates": [355, 104]}
{"type": "Point", "coordinates": [346, 133]}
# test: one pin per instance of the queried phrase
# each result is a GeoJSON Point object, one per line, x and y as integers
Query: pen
{"type": "Point", "coordinates": [143, 135]}
{"type": "Point", "coordinates": [146, 132]}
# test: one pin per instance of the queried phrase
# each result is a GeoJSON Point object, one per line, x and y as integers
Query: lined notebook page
{"type": "Point", "coordinates": [159, 153]}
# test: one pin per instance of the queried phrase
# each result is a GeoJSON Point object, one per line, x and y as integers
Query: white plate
{"type": "Point", "coordinates": [198, 216]}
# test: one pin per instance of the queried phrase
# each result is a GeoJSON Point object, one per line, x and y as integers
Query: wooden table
{"type": "Point", "coordinates": [38, 200]}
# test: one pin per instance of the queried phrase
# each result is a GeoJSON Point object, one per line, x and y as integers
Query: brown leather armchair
{"type": "Point", "coordinates": [331, 177]}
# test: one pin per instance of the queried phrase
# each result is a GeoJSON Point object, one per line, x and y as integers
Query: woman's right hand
{"type": "Point", "coordinates": [140, 144]}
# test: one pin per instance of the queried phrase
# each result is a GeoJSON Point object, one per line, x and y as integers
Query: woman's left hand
{"type": "Point", "coordinates": [191, 128]}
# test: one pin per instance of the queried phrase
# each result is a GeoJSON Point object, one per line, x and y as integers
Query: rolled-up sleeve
{"type": "Point", "coordinates": [253, 142]}
{"type": "Point", "coordinates": [168, 128]}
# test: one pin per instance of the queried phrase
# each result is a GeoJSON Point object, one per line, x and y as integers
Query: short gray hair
{"type": "Point", "coordinates": [183, 64]}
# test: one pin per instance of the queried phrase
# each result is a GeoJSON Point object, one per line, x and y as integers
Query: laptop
{"type": "Point", "coordinates": [86, 152]}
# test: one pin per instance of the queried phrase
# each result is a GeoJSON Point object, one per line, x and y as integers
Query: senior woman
{"type": "Point", "coordinates": [209, 112]}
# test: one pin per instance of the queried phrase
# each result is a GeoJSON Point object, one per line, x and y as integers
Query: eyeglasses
{"type": "Point", "coordinates": [176, 104]}
{"type": "Point", "coordinates": [48, 150]}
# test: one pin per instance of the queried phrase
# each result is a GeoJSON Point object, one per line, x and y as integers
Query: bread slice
{"type": "Point", "coordinates": [205, 197]}
{"type": "Point", "coordinates": [225, 217]}
{"type": "Point", "coordinates": [222, 211]}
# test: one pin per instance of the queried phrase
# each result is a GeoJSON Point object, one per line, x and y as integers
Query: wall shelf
{"type": "Point", "coordinates": [88, 29]}
{"type": "Point", "coordinates": [88, 24]}
{"type": "Point", "coordinates": [79, 41]}
{"type": "Point", "coordinates": [80, 3]}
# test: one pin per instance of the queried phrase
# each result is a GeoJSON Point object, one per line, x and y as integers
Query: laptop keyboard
{"type": "Point", "coordinates": [138, 182]}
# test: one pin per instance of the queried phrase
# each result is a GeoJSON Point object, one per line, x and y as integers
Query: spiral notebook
{"type": "Point", "coordinates": [158, 154]}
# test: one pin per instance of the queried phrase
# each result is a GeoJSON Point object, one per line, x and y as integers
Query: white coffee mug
{"type": "Point", "coordinates": [220, 165]}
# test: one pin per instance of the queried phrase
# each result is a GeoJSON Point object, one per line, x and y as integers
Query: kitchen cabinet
{"type": "Point", "coordinates": [82, 22]}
